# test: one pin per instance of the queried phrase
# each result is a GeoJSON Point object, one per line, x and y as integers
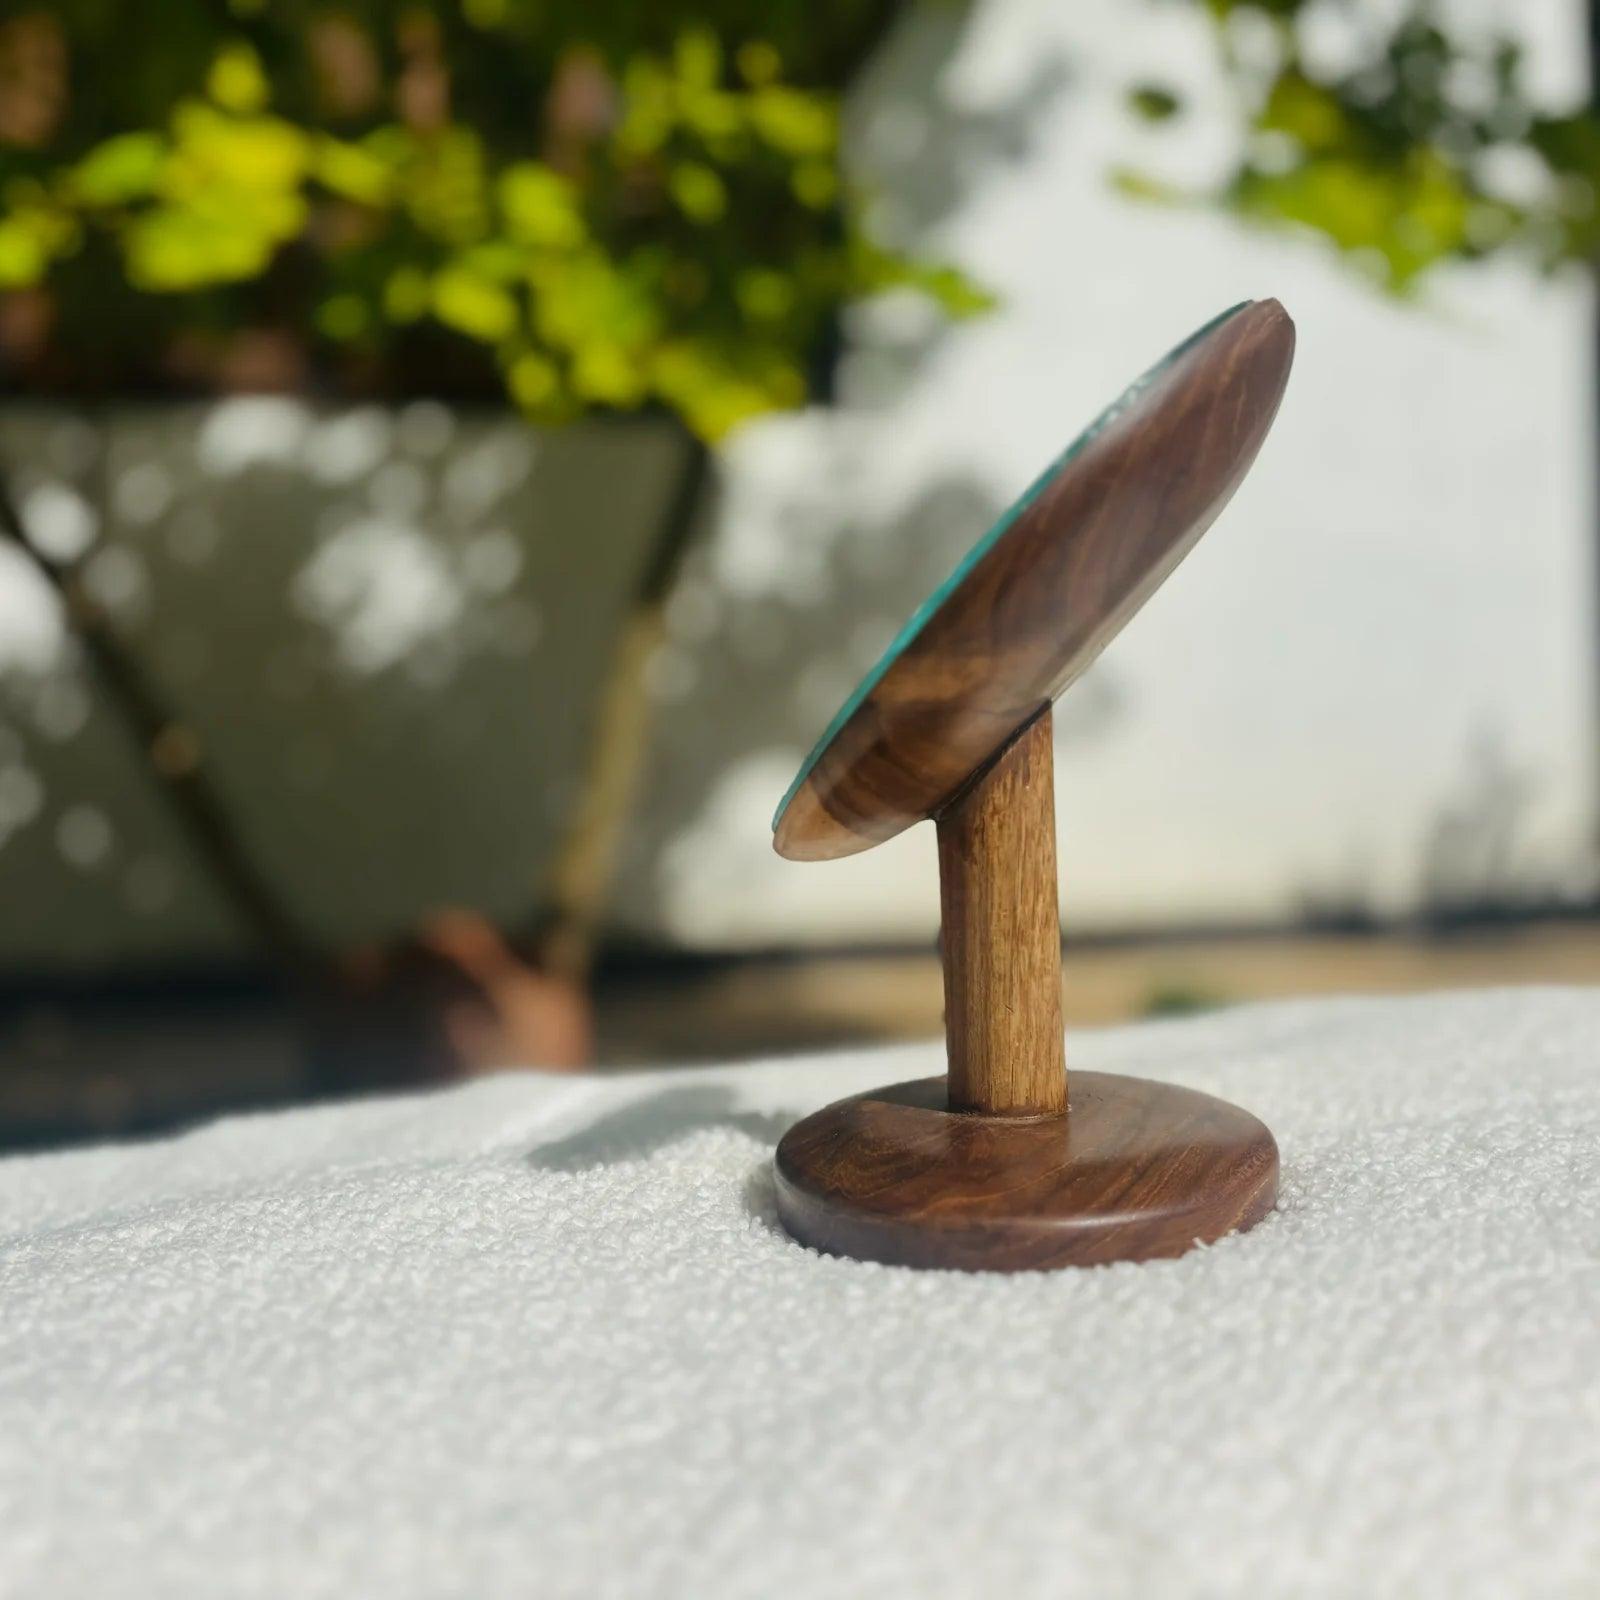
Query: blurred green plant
{"type": "Point", "coordinates": [1405, 137]}
{"type": "Point", "coordinates": [602, 205]}
{"type": "Point", "coordinates": [1176, 996]}
{"type": "Point", "coordinates": [609, 205]}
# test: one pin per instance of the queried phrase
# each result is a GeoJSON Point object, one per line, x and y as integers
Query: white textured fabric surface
{"type": "Point", "coordinates": [541, 1338]}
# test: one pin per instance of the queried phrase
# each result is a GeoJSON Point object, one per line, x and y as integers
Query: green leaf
{"type": "Point", "coordinates": [815, 184]}
{"type": "Point", "coordinates": [764, 295]}
{"type": "Point", "coordinates": [236, 81]}
{"type": "Point", "coordinates": [758, 62]}
{"type": "Point", "coordinates": [256, 153]}
{"type": "Point", "coordinates": [699, 192]}
{"type": "Point", "coordinates": [874, 271]}
{"type": "Point", "coordinates": [120, 170]}
{"type": "Point", "coordinates": [22, 259]}
{"type": "Point", "coordinates": [578, 299]}
{"type": "Point", "coordinates": [1569, 144]}
{"type": "Point", "coordinates": [698, 59]}
{"type": "Point", "coordinates": [498, 261]}
{"type": "Point", "coordinates": [603, 371]}
{"type": "Point", "coordinates": [1406, 217]}
{"type": "Point", "coordinates": [444, 184]}
{"type": "Point", "coordinates": [344, 316]}
{"type": "Point", "coordinates": [353, 172]}
{"type": "Point", "coordinates": [176, 248]}
{"type": "Point", "coordinates": [1154, 103]}
{"type": "Point", "coordinates": [1306, 112]}
{"type": "Point", "coordinates": [407, 295]}
{"type": "Point", "coordinates": [541, 206]}
{"type": "Point", "coordinates": [1138, 185]}
{"type": "Point", "coordinates": [794, 122]}
{"type": "Point", "coordinates": [474, 305]}
{"type": "Point", "coordinates": [953, 292]}
{"type": "Point", "coordinates": [533, 380]}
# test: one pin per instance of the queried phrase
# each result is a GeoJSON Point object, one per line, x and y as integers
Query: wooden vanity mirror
{"type": "Point", "coordinates": [1009, 1162]}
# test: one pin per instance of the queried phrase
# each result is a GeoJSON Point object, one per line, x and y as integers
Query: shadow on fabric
{"type": "Point", "coordinates": [639, 1129]}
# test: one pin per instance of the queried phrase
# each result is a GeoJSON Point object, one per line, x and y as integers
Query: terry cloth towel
{"type": "Point", "coordinates": [543, 1338]}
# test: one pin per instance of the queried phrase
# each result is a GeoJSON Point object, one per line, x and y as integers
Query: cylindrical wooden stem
{"type": "Point", "coordinates": [1002, 936]}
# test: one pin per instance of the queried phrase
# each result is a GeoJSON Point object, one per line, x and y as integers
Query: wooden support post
{"type": "Point", "coordinates": [1001, 936]}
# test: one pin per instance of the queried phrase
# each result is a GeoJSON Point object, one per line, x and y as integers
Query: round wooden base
{"type": "Point", "coordinates": [1134, 1171]}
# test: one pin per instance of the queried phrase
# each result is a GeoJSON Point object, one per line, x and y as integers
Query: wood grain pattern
{"type": "Point", "coordinates": [1051, 592]}
{"type": "Point", "coordinates": [1001, 935]}
{"type": "Point", "coordinates": [1134, 1172]}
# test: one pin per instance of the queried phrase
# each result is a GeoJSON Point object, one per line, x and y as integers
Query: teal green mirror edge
{"type": "Point", "coordinates": [919, 618]}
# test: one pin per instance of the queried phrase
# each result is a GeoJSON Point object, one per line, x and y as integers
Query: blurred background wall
{"type": "Point", "coordinates": [374, 712]}
{"type": "Point", "coordinates": [1369, 693]}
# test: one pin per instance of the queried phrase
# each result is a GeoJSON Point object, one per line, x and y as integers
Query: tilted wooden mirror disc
{"type": "Point", "coordinates": [997, 1165]}
{"type": "Point", "coordinates": [1045, 590]}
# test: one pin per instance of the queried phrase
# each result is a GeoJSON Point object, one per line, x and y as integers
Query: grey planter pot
{"type": "Point", "coordinates": [387, 628]}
